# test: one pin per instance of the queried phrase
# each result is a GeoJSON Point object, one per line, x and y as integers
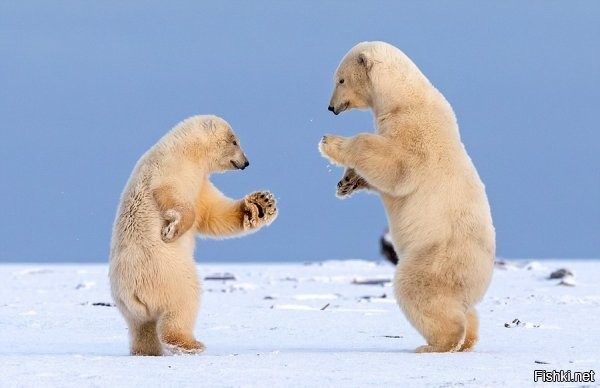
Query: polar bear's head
{"type": "Point", "coordinates": [351, 87]}
{"type": "Point", "coordinates": [370, 74]}
{"type": "Point", "coordinates": [210, 141]}
{"type": "Point", "coordinates": [223, 147]}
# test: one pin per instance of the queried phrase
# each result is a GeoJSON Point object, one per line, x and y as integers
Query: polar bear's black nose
{"type": "Point", "coordinates": [246, 164]}
{"type": "Point", "coordinates": [331, 108]}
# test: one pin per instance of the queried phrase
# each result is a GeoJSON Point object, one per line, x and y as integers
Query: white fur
{"type": "Point", "coordinates": [438, 212]}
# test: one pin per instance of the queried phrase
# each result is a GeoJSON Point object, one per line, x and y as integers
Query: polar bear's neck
{"type": "Point", "coordinates": [402, 98]}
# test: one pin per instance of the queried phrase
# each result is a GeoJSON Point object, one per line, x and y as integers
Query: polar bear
{"type": "Point", "coordinates": [167, 200]}
{"type": "Point", "coordinates": [437, 209]}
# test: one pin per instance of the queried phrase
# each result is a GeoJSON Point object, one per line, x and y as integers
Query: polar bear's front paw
{"type": "Point", "coordinates": [330, 147]}
{"type": "Point", "coordinates": [171, 230]}
{"type": "Point", "coordinates": [260, 208]}
{"type": "Point", "coordinates": [350, 183]}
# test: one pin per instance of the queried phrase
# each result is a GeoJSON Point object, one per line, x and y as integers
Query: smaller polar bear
{"type": "Point", "coordinates": [167, 199]}
{"type": "Point", "coordinates": [436, 205]}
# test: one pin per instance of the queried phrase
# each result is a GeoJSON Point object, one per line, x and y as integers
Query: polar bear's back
{"type": "Point", "coordinates": [138, 218]}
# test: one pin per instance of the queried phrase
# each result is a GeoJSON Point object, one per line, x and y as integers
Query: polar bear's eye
{"type": "Point", "coordinates": [234, 143]}
{"type": "Point", "coordinates": [342, 81]}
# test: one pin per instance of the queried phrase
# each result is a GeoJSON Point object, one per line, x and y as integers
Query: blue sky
{"type": "Point", "coordinates": [87, 87]}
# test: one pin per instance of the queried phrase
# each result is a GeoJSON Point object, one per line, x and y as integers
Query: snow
{"type": "Point", "coordinates": [283, 325]}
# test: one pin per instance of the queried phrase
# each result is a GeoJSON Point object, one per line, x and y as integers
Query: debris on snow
{"type": "Point", "coordinates": [518, 323]}
{"type": "Point", "coordinates": [568, 281]}
{"type": "Point", "coordinates": [225, 276]}
{"type": "Point", "coordinates": [561, 273]}
{"type": "Point", "coordinates": [371, 281]}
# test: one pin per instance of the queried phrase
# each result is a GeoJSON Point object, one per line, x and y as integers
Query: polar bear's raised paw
{"type": "Point", "coordinates": [331, 148]}
{"type": "Point", "coordinates": [171, 231]}
{"type": "Point", "coordinates": [350, 183]}
{"type": "Point", "coordinates": [260, 209]}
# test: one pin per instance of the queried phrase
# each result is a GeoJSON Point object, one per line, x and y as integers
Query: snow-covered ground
{"type": "Point", "coordinates": [287, 325]}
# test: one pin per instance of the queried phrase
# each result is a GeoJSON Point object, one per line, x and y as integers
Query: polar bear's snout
{"type": "Point", "coordinates": [332, 109]}
{"type": "Point", "coordinates": [240, 165]}
{"type": "Point", "coordinates": [339, 109]}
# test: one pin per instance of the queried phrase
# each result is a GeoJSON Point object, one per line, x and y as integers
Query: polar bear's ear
{"type": "Point", "coordinates": [365, 60]}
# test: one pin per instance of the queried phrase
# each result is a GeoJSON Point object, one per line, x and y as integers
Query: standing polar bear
{"type": "Point", "coordinates": [169, 198]}
{"type": "Point", "coordinates": [436, 205]}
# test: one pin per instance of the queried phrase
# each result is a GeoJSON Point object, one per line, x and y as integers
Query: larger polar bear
{"type": "Point", "coordinates": [437, 209]}
{"type": "Point", "coordinates": [167, 200]}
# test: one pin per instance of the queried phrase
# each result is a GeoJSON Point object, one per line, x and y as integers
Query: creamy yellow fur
{"type": "Point", "coordinates": [436, 204]}
{"type": "Point", "coordinates": [167, 200]}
